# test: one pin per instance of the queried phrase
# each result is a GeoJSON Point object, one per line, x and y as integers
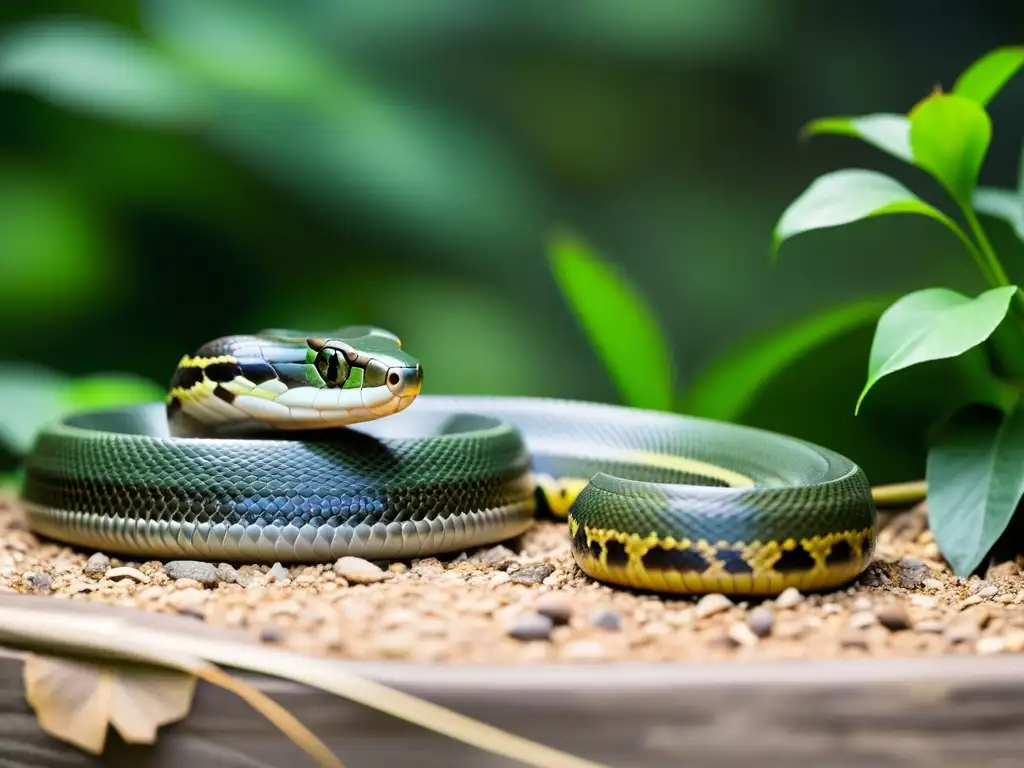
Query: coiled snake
{"type": "Point", "coordinates": [248, 461]}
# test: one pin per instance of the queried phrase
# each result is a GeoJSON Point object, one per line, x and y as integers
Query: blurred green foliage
{"type": "Point", "coordinates": [174, 170]}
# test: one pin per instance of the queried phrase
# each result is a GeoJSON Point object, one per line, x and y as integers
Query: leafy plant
{"type": "Point", "coordinates": [973, 469]}
{"type": "Point", "coordinates": [976, 450]}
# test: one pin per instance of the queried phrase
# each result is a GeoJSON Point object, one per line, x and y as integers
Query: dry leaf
{"type": "Point", "coordinates": [146, 698]}
{"type": "Point", "coordinates": [113, 633]}
{"type": "Point", "coordinates": [71, 699]}
{"type": "Point", "coordinates": [76, 700]}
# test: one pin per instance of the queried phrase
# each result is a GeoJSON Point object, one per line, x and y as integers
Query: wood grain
{"type": "Point", "coordinates": [963, 711]}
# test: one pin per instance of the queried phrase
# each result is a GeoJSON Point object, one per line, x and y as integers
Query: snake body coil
{"type": "Point", "coordinates": [238, 468]}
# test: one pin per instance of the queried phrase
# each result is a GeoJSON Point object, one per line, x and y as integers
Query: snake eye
{"type": "Point", "coordinates": [332, 367]}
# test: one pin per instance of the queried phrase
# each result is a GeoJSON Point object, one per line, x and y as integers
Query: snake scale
{"type": "Point", "coordinates": [302, 447]}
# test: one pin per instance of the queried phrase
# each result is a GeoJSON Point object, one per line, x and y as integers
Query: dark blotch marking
{"type": "Point", "coordinates": [595, 550]}
{"type": "Point", "coordinates": [841, 553]}
{"type": "Point", "coordinates": [579, 539]}
{"type": "Point", "coordinates": [797, 559]}
{"type": "Point", "coordinates": [221, 372]}
{"type": "Point", "coordinates": [616, 552]}
{"type": "Point", "coordinates": [173, 407]}
{"type": "Point", "coordinates": [223, 394]}
{"type": "Point", "coordinates": [544, 508]}
{"type": "Point", "coordinates": [257, 372]}
{"type": "Point", "coordinates": [658, 559]}
{"type": "Point", "coordinates": [186, 378]}
{"type": "Point", "coordinates": [734, 562]}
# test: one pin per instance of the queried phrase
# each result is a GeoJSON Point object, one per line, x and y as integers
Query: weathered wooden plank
{"type": "Point", "coordinates": [963, 711]}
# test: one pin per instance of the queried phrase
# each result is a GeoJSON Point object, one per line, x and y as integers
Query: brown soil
{"type": "Point", "coordinates": [527, 601]}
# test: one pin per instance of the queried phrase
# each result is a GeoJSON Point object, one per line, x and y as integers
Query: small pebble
{"type": "Point", "coordinates": [427, 566]}
{"type": "Point", "coordinates": [499, 556]}
{"type": "Point", "coordinates": [556, 607]}
{"type": "Point", "coordinates": [38, 581]}
{"type": "Point", "coordinates": [930, 627]}
{"type": "Point", "coordinates": [741, 634]}
{"type": "Point", "coordinates": [789, 598]}
{"type": "Point", "coordinates": [894, 617]}
{"type": "Point", "coordinates": [932, 584]}
{"type": "Point", "coordinates": [962, 632]}
{"type": "Point", "coordinates": [530, 626]}
{"type": "Point", "coordinates": [532, 574]}
{"type": "Point", "coordinates": [606, 619]}
{"type": "Point", "coordinates": [227, 573]}
{"type": "Point", "coordinates": [978, 586]}
{"type": "Point", "coordinates": [204, 573]}
{"type": "Point", "coordinates": [912, 572]}
{"type": "Point", "coordinates": [972, 600]}
{"type": "Point", "coordinates": [1011, 643]}
{"type": "Point", "coordinates": [97, 565]}
{"type": "Point", "coordinates": [356, 570]}
{"type": "Point", "coordinates": [709, 605]}
{"type": "Point", "coordinates": [278, 574]}
{"type": "Point", "coordinates": [854, 639]}
{"type": "Point", "coordinates": [77, 585]}
{"type": "Point", "coordinates": [126, 572]}
{"type": "Point", "coordinates": [760, 620]}
{"type": "Point", "coordinates": [395, 646]}
{"type": "Point", "coordinates": [990, 591]}
{"type": "Point", "coordinates": [271, 635]}
{"type": "Point", "coordinates": [584, 650]}
{"type": "Point", "coordinates": [862, 620]}
{"type": "Point", "coordinates": [862, 604]}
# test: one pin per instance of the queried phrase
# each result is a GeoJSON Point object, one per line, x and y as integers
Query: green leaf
{"type": "Point", "coordinates": [890, 133]}
{"type": "Point", "coordinates": [107, 390]}
{"type": "Point", "coordinates": [950, 135]}
{"type": "Point", "coordinates": [243, 45]}
{"type": "Point", "coordinates": [621, 328]}
{"type": "Point", "coordinates": [725, 389]}
{"type": "Point", "coordinates": [985, 77]}
{"type": "Point", "coordinates": [1002, 204]}
{"type": "Point", "coordinates": [31, 396]}
{"type": "Point", "coordinates": [933, 324]}
{"type": "Point", "coordinates": [974, 482]}
{"type": "Point", "coordinates": [849, 195]}
{"type": "Point", "coordinates": [96, 68]}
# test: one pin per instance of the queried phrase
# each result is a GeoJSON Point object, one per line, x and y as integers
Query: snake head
{"type": "Point", "coordinates": [288, 379]}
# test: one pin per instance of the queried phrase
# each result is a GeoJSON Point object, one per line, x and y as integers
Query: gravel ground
{"type": "Point", "coordinates": [527, 601]}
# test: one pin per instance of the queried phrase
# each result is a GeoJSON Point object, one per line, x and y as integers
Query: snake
{"type": "Point", "coordinates": [304, 447]}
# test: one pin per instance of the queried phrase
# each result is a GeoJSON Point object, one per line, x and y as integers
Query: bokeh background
{"type": "Point", "coordinates": [176, 170]}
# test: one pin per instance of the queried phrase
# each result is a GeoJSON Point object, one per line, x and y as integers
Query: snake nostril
{"type": "Point", "coordinates": [393, 379]}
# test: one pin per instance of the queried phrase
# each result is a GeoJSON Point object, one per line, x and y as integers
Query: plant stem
{"type": "Point", "coordinates": [899, 494]}
{"type": "Point", "coordinates": [992, 261]}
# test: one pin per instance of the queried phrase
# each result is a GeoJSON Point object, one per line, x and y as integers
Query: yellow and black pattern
{"type": "Point", "coordinates": [730, 567]}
